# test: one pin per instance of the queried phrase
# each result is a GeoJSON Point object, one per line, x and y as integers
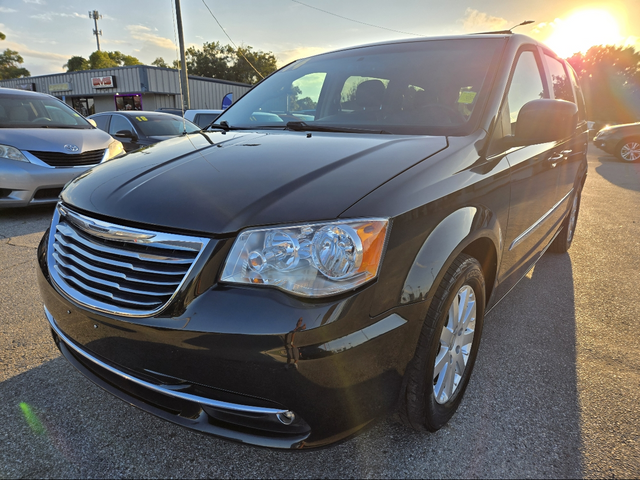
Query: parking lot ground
{"type": "Point", "coordinates": [555, 392]}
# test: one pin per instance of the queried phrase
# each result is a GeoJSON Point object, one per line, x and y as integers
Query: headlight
{"type": "Point", "coordinates": [312, 260]}
{"type": "Point", "coordinates": [115, 149]}
{"type": "Point", "coordinates": [604, 133]}
{"type": "Point", "coordinates": [12, 153]}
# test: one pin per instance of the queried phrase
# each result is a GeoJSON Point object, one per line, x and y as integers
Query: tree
{"type": "Point", "coordinates": [9, 65]}
{"type": "Point", "coordinates": [100, 59]}
{"type": "Point", "coordinates": [242, 71]}
{"type": "Point", "coordinates": [123, 60]}
{"type": "Point", "coordinates": [609, 76]}
{"type": "Point", "coordinates": [75, 64]}
{"type": "Point", "coordinates": [226, 63]}
{"type": "Point", "coordinates": [159, 62]}
{"type": "Point", "coordinates": [2, 36]}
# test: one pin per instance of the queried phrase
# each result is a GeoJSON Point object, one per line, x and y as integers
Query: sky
{"type": "Point", "coordinates": [47, 33]}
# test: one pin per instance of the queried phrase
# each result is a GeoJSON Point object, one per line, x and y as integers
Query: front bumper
{"type": "Point", "coordinates": [23, 183]}
{"type": "Point", "coordinates": [235, 359]}
{"type": "Point", "coordinates": [607, 144]}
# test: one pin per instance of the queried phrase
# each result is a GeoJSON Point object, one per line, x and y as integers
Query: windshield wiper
{"type": "Point", "coordinates": [304, 127]}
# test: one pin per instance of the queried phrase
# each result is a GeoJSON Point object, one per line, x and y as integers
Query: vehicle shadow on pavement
{"type": "Point", "coordinates": [520, 416]}
{"type": "Point", "coordinates": [619, 173]}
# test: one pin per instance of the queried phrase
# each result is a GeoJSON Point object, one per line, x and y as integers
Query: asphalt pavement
{"type": "Point", "coordinates": [555, 392]}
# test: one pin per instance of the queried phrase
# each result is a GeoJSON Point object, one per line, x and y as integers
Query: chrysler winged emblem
{"type": "Point", "coordinates": [71, 148]}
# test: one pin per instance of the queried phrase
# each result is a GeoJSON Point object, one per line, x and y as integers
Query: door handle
{"type": "Point", "coordinates": [554, 159]}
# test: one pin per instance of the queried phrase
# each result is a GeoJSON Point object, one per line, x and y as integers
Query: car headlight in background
{"type": "Point", "coordinates": [604, 133]}
{"type": "Point", "coordinates": [115, 149]}
{"type": "Point", "coordinates": [12, 153]}
{"type": "Point", "coordinates": [311, 260]}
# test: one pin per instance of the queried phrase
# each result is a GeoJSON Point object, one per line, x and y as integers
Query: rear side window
{"type": "Point", "coordinates": [582, 110]}
{"type": "Point", "coordinates": [102, 121]}
{"type": "Point", "coordinates": [118, 123]}
{"type": "Point", "coordinates": [561, 84]}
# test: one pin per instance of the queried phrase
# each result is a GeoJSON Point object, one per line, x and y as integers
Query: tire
{"type": "Point", "coordinates": [427, 404]}
{"type": "Point", "coordinates": [562, 242]}
{"type": "Point", "coordinates": [628, 150]}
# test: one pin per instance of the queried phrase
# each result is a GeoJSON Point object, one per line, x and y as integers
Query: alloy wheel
{"type": "Point", "coordinates": [456, 341]}
{"type": "Point", "coordinates": [630, 151]}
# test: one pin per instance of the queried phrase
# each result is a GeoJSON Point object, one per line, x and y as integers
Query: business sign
{"type": "Point", "coordinates": [103, 82]}
{"type": "Point", "coordinates": [60, 87]}
{"type": "Point", "coordinates": [26, 86]}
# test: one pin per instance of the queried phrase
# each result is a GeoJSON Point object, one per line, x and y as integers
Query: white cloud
{"type": "Point", "coordinates": [144, 34]}
{"type": "Point", "coordinates": [476, 21]}
{"type": "Point", "coordinates": [37, 2]}
{"type": "Point", "coordinates": [7, 10]}
{"type": "Point", "coordinates": [29, 52]}
{"type": "Point", "coordinates": [49, 16]}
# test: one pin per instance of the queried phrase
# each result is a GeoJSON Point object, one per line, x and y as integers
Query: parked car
{"type": "Point", "coordinates": [139, 129]}
{"type": "Point", "coordinates": [44, 144]}
{"type": "Point", "coordinates": [623, 141]}
{"type": "Point", "coordinates": [202, 118]}
{"type": "Point", "coordinates": [284, 282]}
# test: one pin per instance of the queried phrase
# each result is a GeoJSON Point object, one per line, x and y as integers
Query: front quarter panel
{"type": "Point", "coordinates": [438, 208]}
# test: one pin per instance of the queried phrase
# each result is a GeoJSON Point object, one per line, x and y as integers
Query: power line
{"type": "Point", "coordinates": [356, 21]}
{"type": "Point", "coordinates": [232, 42]}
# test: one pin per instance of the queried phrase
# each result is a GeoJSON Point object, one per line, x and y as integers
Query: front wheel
{"type": "Point", "coordinates": [628, 150]}
{"type": "Point", "coordinates": [437, 377]}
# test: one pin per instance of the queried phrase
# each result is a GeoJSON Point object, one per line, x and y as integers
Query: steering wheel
{"type": "Point", "coordinates": [41, 120]}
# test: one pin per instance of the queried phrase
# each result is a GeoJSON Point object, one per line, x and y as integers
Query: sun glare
{"type": "Point", "coordinates": [583, 30]}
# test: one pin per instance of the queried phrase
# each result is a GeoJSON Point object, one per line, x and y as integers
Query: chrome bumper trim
{"type": "Point", "coordinates": [156, 388]}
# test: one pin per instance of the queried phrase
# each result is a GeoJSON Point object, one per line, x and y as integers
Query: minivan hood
{"type": "Point", "coordinates": [221, 182]}
{"type": "Point", "coordinates": [54, 139]}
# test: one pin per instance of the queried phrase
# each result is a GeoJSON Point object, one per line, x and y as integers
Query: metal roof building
{"type": "Point", "coordinates": [138, 87]}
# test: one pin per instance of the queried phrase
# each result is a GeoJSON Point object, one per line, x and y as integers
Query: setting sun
{"type": "Point", "coordinates": [583, 30]}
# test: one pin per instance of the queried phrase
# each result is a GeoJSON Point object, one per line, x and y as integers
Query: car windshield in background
{"type": "Point", "coordinates": [162, 125]}
{"type": "Point", "coordinates": [422, 87]}
{"type": "Point", "coordinates": [28, 111]}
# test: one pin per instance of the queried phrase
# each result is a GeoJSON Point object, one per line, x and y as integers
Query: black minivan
{"type": "Point", "coordinates": [328, 250]}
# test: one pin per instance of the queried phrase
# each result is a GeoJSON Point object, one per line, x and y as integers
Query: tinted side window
{"type": "Point", "coordinates": [561, 85]}
{"type": "Point", "coordinates": [119, 123]}
{"type": "Point", "coordinates": [526, 85]}
{"type": "Point", "coordinates": [102, 121]}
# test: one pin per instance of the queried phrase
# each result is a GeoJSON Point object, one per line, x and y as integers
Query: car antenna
{"type": "Point", "coordinates": [506, 32]}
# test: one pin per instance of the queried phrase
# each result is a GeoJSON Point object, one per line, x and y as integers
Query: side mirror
{"type": "Point", "coordinates": [541, 121]}
{"type": "Point", "coordinates": [126, 134]}
{"type": "Point", "coordinates": [92, 122]}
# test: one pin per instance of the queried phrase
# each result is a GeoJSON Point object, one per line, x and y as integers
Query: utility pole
{"type": "Point", "coordinates": [96, 16]}
{"type": "Point", "coordinates": [183, 63]}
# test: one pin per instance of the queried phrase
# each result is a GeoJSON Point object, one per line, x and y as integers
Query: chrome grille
{"type": "Point", "coordinates": [118, 269]}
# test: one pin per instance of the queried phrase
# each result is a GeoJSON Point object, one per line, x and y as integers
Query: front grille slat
{"type": "Point", "coordinates": [110, 273]}
{"type": "Point", "coordinates": [80, 273]}
{"type": "Point", "coordinates": [85, 159]}
{"type": "Point", "coordinates": [107, 261]}
{"type": "Point", "coordinates": [106, 267]}
{"type": "Point", "coordinates": [102, 293]}
{"type": "Point", "coordinates": [69, 232]}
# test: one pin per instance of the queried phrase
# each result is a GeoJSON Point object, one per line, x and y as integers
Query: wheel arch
{"type": "Point", "coordinates": [474, 230]}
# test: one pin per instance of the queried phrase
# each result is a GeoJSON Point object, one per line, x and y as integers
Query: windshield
{"type": "Point", "coordinates": [423, 87]}
{"type": "Point", "coordinates": [30, 111]}
{"type": "Point", "coordinates": [153, 125]}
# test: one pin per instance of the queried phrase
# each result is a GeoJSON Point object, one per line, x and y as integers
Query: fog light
{"type": "Point", "coordinates": [286, 418]}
